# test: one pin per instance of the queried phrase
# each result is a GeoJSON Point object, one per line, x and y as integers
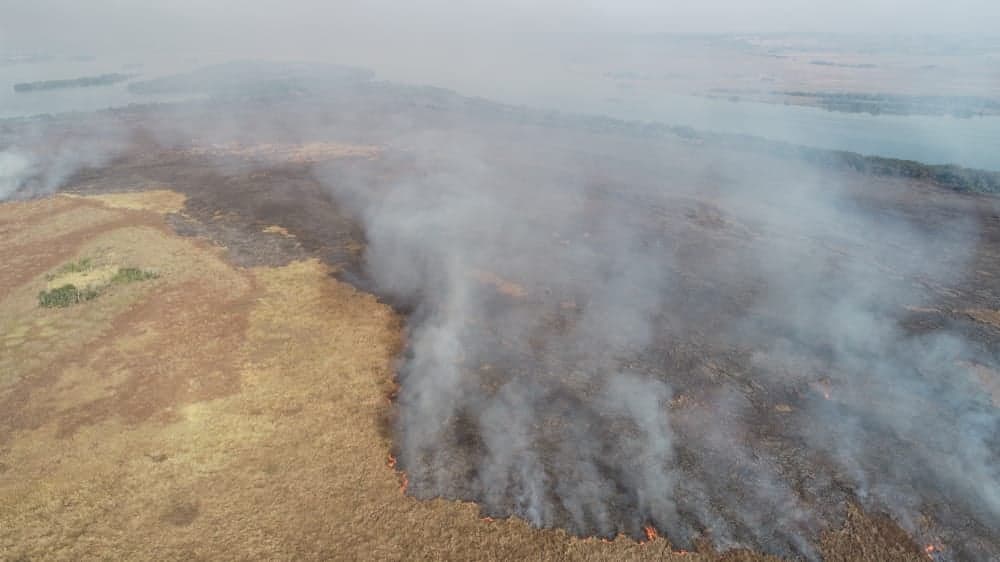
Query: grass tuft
{"type": "Point", "coordinates": [64, 296]}
{"type": "Point", "coordinates": [80, 266]}
{"type": "Point", "coordinates": [131, 275]}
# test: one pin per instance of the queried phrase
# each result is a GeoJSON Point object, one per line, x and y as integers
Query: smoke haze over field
{"type": "Point", "coordinates": [605, 373]}
{"type": "Point", "coordinates": [35, 164]}
{"type": "Point", "coordinates": [607, 331]}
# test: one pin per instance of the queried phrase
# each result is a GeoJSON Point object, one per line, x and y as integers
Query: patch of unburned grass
{"type": "Point", "coordinates": [157, 200]}
{"type": "Point", "coordinates": [67, 295]}
{"type": "Point", "coordinates": [132, 275]}
{"type": "Point", "coordinates": [81, 265]}
{"type": "Point", "coordinates": [83, 280]}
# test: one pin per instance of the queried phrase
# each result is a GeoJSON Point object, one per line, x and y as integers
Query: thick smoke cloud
{"type": "Point", "coordinates": [919, 388]}
{"type": "Point", "coordinates": [549, 371]}
{"type": "Point", "coordinates": [436, 241]}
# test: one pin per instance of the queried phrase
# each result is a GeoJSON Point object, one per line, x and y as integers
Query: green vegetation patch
{"type": "Point", "coordinates": [94, 280]}
{"type": "Point", "coordinates": [131, 275]}
{"type": "Point", "coordinates": [65, 296]}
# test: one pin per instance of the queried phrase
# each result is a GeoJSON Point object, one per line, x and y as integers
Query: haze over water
{"type": "Point", "coordinates": [547, 80]}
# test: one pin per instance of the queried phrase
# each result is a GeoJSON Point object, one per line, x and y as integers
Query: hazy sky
{"type": "Point", "coordinates": [120, 24]}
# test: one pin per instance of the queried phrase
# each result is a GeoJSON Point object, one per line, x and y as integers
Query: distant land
{"type": "Point", "coordinates": [246, 77]}
{"type": "Point", "coordinates": [870, 103]}
{"type": "Point", "coordinates": [82, 82]}
{"type": "Point", "coordinates": [283, 83]}
{"type": "Point", "coordinates": [24, 58]}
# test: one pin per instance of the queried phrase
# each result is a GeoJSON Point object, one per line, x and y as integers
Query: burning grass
{"type": "Point", "coordinates": [224, 413]}
{"type": "Point", "coordinates": [284, 460]}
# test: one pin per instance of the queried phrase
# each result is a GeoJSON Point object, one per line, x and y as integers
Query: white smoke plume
{"type": "Point", "coordinates": [581, 355]}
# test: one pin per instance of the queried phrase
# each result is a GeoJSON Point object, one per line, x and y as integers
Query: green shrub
{"type": "Point", "coordinates": [132, 274]}
{"type": "Point", "coordinates": [64, 296]}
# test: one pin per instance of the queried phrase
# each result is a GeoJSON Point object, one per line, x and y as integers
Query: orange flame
{"type": "Point", "coordinates": [404, 481]}
{"type": "Point", "coordinates": [651, 533]}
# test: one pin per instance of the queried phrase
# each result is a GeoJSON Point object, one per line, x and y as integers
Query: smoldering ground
{"type": "Point", "coordinates": [601, 354]}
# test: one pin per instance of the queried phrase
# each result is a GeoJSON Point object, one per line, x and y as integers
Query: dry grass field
{"type": "Point", "coordinates": [217, 412]}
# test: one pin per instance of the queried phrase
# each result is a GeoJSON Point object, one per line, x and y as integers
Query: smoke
{"type": "Point", "coordinates": [39, 156]}
{"type": "Point", "coordinates": [900, 412]}
{"type": "Point", "coordinates": [607, 334]}
{"type": "Point", "coordinates": [14, 166]}
{"type": "Point", "coordinates": [601, 355]}
{"type": "Point", "coordinates": [535, 431]}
